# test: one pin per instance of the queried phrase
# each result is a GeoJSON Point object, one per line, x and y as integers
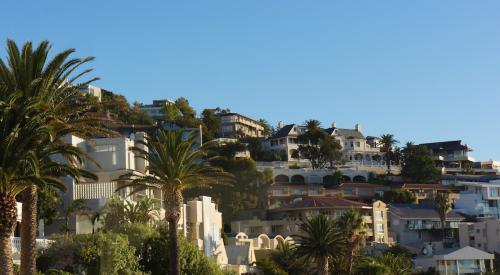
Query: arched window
{"type": "Point", "coordinates": [281, 179]}
{"type": "Point", "coordinates": [359, 179]}
{"type": "Point", "coordinates": [298, 179]}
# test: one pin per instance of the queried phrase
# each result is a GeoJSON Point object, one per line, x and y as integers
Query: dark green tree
{"type": "Point", "coordinates": [418, 165]}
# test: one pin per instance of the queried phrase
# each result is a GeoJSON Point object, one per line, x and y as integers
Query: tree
{"type": "Point", "coordinates": [387, 142]}
{"type": "Point", "coordinates": [156, 257]}
{"type": "Point", "coordinates": [57, 107]}
{"type": "Point", "coordinates": [143, 211]}
{"type": "Point", "coordinates": [76, 207]}
{"type": "Point", "coordinates": [268, 130]}
{"type": "Point", "coordinates": [100, 253]}
{"type": "Point", "coordinates": [398, 196]}
{"type": "Point", "coordinates": [172, 113]}
{"type": "Point", "coordinates": [386, 264]}
{"type": "Point", "coordinates": [211, 121]}
{"type": "Point", "coordinates": [418, 165]}
{"type": "Point", "coordinates": [318, 146]}
{"type": "Point", "coordinates": [319, 241]}
{"type": "Point", "coordinates": [175, 164]}
{"type": "Point", "coordinates": [442, 205]}
{"type": "Point", "coordinates": [353, 228]}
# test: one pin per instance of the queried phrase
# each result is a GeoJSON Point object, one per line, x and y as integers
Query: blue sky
{"type": "Point", "coordinates": [423, 70]}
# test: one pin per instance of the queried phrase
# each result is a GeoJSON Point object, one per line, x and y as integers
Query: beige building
{"type": "Point", "coordinates": [108, 158]}
{"type": "Point", "coordinates": [426, 192]}
{"type": "Point", "coordinates": [285, 220]}
{"type": "Point", "coordinates": [236, 125]}
{"type": "Point", "coordinates": [484, 235]}
{"type": "Point", "coordinates": [201, 223]}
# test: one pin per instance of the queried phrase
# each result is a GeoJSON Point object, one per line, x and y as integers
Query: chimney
{"type": "Point", "coordinates": [357, 127]}
{"type": "Point", "coordinates": [334, 125]}
{"type": "Point", "coordinates": [281, 125]}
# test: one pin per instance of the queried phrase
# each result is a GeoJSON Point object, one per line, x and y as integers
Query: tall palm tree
{"type": "Point", "coordinates": [353, 228]}
{"type": "Point", "coordinates": [387, 143]}
{"type": "Point", "coordinates": [442, 205]}
{"type": "Point", "coordinates": [319, 241]}
{"type": "Point", "coordinates": [312, 124]}
{"type": "Point", "coordinates": [175, 163]}
{"type": "Point", "coordinates": [29, 73]}
{"type": "Point", "coordinates": [387, 264]}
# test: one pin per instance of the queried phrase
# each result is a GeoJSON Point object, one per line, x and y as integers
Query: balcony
{"type": "Point", "coordinates": [40, 244]}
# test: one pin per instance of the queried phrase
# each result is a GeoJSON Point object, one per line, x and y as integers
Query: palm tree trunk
{"type": "Point", "coordinates": [173, 204]}
{"type": "Point", "coordinates": [8, 219]}
{"type": "Point", "coordinates": [29, 231]}
{"type": "Point", "coordinates": [323, 266]}
{"type": "Point", "coordinates": [350, 258]}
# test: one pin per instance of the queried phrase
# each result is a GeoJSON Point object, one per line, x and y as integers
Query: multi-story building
{"type": "Point", "coordinates": [481, 199]}
{"type": "Point", "coordinates": [236, 125]}
{"type": "Point", "coordinates": [356, 149]}
{"type": "Point", "coordinates": [426, 192]}
{"type": "Point", "coordinates": [455, 261]}
{"type": "Point", "coordinates": [484, 235]}
{"type": "Point", "coordinates": [362, 191]}
{"type": "Point", "coordinates": [285, 220]}
{"type": "Point", "coordinates": [93, 90]}
{"type": "Point", "coordinates": [201, 223]}
{"type": "Point", "coordinates": [452, 156]}
{"type": "Point", "coordinates": [412, 225]}
{"type": "Point", "coordinates": [155, 110]}
{"type": "Point", "coordinates": [282, 194]}
{"type": "Point", "coordinates": [108, 158]}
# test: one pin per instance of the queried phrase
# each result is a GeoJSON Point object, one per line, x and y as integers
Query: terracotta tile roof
{"type": "Point", "coordinates": [360, 185]}
{"type": "Point", "coordinates": [429, 186]}
{"type": "Point", "coordinates": [321, 202]}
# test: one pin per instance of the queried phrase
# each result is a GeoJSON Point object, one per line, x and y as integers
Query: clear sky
{"type": "Point", "coordinates": [423, 70]}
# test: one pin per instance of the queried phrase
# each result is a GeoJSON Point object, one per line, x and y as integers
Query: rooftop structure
{"type": "Point", "coordinates": [236, 125]}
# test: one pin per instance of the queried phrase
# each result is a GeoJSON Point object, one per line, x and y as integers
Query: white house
{"type": "Point", "coordinates": [481, 199]}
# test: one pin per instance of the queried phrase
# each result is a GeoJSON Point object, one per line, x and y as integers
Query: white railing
{"type": "Point", "coordinates": [95, 190]}
{"type": "Point", "coordinates": [40, 244]}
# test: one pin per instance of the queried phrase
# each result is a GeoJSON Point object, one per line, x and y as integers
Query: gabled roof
{"type": "Point", "coordinates": [412, 211]}
{"type": "Point", "coordinates": [347, 133]}
{"type": "Point", "coordinates": [283, 132]}
{"type": "Point", "coordinates": [465, 253]}
{"type": "Point", "coordinates": [445, 145]}
{"type": "Point", "coordinates": [315, 202]}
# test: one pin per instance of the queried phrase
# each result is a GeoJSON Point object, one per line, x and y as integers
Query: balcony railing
{"type": "Point", "coordinates": [40, 244]}
{"type": "Point", "coordinates": [95, 190]}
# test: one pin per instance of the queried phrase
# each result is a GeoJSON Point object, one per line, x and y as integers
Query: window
{"type": "Point", "coordinates": [379, 215]}
{"type": "Point", "coordinates": [105, 148]}
{"type": "Point", "coordinates": [379, 228]}
{"type": "Point", "coordinates": [357, 144]}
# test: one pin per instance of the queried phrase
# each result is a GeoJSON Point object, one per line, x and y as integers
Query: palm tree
{"type": "Point", "coordinates": [387, 142]}
{"type": "Point", "coordinates": [386, 264]}
{"type": "Point", "coordinates": [175, 163]}
{"type": "Point", "coordinates": [312, 124]}
{"type": "Point", "coordinates": [51, 83]}
{"type": "Point", "coordinates": [319, 241]}
{"type": "Point", "coordinates": [442, 205]}
{"type": "Point", "coordinates": [143, 211]}
{"type": "Point", "coordinates": [352, 226]}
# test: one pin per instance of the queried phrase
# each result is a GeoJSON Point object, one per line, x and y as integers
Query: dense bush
{"type": "Point", "coordinates": [155, 257]}
{"type": "Point", "coordinates": [100, 253]}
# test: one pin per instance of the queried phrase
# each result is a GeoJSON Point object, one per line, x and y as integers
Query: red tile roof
{"type": "Point", "coordinates": [321, 202]}
{"type": "Point", "coordinates": [428, 186]}
{"type": "Point", "coordinates": [360, 185]}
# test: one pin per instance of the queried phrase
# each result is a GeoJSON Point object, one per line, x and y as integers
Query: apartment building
{"type": "Point", "coordinates": [362, 191]}
{"type": "Point", "coordinates": [480, 199]}
{"type": "Point", "coordinates": [412, 225]}
{"type": "Point", "coordinates": [155, 110]}
{"type": "Point", "coordinates": [356, 148]}
{"type": "Point", "coordinates": [484, 235]}
{"type": "Point", "coordinates": [202, 224]}
{"type": "Point", "coordinates": [285, 220]}
{"type": "Point", "coordinates": [93, 90]}
{"type": "Point", "coordinates": [427, 192]}
{"type": "Point", "coordinates": [108, 158]}
{"type": "Point", "coordinates": [234, 125]}
{"type": "Point", "coordinates": [452, 156]}
{"type": "Point", "coordinates": [455, 261]}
